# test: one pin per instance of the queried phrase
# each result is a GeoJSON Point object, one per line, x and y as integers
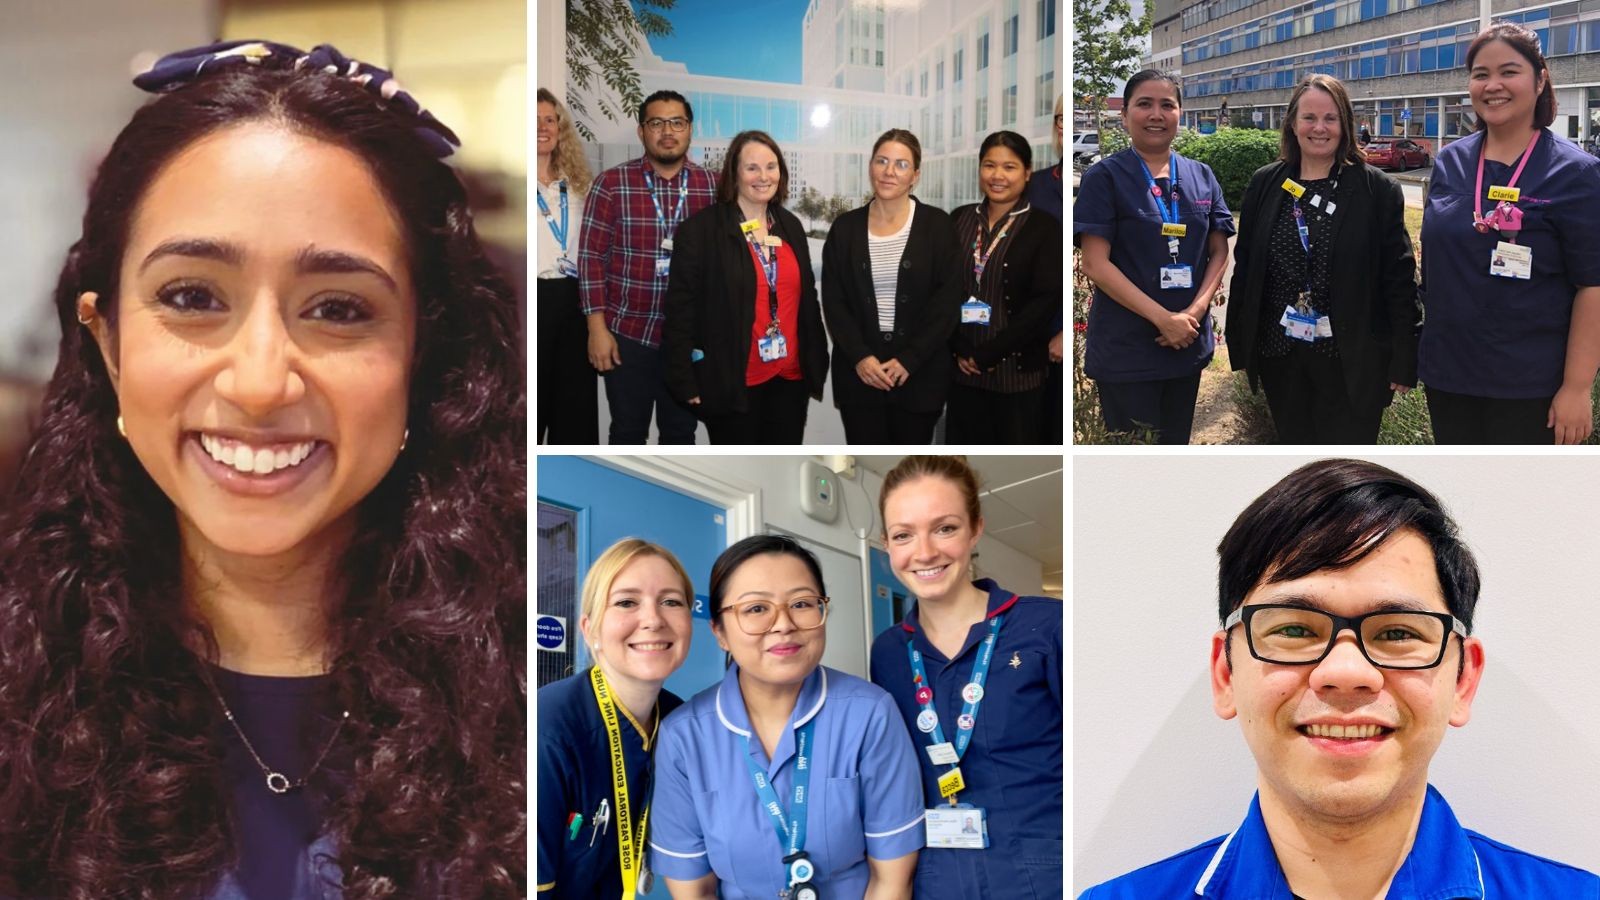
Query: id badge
{"type": "Point", "coordinates": [1511, 260]}
{"type": "Point", "coordinates": [1324, 327]}
{"type": "Point", "coordinates": [566, 267]}
{"type": "Point", "coordinates": [943, 754]}
{"type": "Point", "coordinates": [960, 827]}
{"type": "Point", "coordinates": [1298, 325]}
{"type": "Point", "coordinates": [1177, 277]}
{"type": "Point", "coordinates": [663, 263]}
{"type": "Point", "coordinates": [1172, 230]}
{"type": "Point", "coordinates": [975, 311]}
{"type": "Point", "coordinates": [772, 348]}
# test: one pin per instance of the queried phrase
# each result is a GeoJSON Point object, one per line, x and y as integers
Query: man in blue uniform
{"type": "Point", "coordinates": [1346, 598]}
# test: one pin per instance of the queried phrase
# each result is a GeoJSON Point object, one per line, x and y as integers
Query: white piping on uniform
{"type": "Point", "coordinates": [723, 716]}
{"type": "Point", "coordinates": [879, 834]}
{"type": "Point", "coordinates": [658, 847]}
{"type": "Point", "coordinates": [1479, 863]}
{"type": "Point", "coordinates": [821, 697]}
{"type": "Point", "coordinates": [1216, 860]}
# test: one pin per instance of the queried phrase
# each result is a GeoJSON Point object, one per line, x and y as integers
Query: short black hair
{"type": "Point", "coordinates": [1331, 514]}
{"type": "Point", "coordinates": [674, 96]}
{"type": "Point", "coordinates": [1012, 141]}
{"type": "Point", "coordinates": [1151, 75]}
{"type": "Point", "coordinates": [756, 545]}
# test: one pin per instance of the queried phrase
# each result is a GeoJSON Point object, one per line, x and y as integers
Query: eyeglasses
{"type": "Point", "coordinates": [758, 618]}
{"type": "Point", "coordinates": [676, 124]}
{"type": "Point", "coordinates": [900, 165]}
{"type": "Point", "coordinates": [1300, 636]}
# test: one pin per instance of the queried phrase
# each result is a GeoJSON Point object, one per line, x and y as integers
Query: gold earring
{"type": "Point", "coordinates": [122, 427]}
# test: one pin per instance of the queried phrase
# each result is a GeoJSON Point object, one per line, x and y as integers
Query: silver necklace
{"type": "Point", "coordinates": [277, 782]}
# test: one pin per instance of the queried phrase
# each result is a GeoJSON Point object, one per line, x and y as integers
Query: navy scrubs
{"type": "Point", "coordinates": [1013, 767]}
{"type": "Point", "coordinates": [1506, 338]}
{"type": "Point", "coordinates": [575, 775]}
{"type": "Point", "coordinates": [1446, 862]}
{"type": "Point", "coordinates": [1114, 202]}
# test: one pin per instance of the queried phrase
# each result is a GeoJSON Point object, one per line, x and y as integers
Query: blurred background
{"type": "Point", "coordinates": [67, 70]}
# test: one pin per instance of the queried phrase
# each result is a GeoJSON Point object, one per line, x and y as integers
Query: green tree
{"type": "Point", "coordinates": [1107, 47]}
{"type": "Point", "coordinates": [602, 38]}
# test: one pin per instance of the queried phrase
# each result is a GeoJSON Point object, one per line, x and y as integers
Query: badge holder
{"type": "Point", "coordinates": [772, 346]}
{"type": "Point", "coordinates": [801, 873]}
{"type": "Point", "coordinates": [975, 312]}
{"type": "Point", "coordinates": [1176, 276]}
{"type": "Point", "coordinates": [566, 267]}
{"type": "Point", "coordinates": [959, 827]}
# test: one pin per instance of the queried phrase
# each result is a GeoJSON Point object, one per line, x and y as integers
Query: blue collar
{"type": "Point", "coordinates": [1000, 600]}
{"type": "Point", "coordinates": [1441, 862]}
{"type": "Point", "coordinates": [734, 717]}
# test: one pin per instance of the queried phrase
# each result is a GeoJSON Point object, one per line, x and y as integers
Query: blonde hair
{"type": "Point", "coordinates": [569, 162]}
{"type": "Point", "coordinates": [605, 569]}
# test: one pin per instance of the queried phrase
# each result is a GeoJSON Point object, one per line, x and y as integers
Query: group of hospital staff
{"type": "Point", "coordinates": [940, 777]}
{"type": "Point", "coordinates": [1324, 308]}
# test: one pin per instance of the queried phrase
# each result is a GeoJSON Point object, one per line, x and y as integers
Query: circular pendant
{"type": "Point", "coordinates": [965, 722]}
{"type": "Point", "coordinates": [805, 892]}
{"type": "Point", "coordinates": [1155, 189]}
{"type": "Point", "coordinates": [927, 720]}
{"type": "Point", "coordinates": [801, 871]}
{"type": "Point", "coordinates": [277, 783]}
{"type": "Point", "coordinates": [972, 693]}
{"type": "Point", "coordinates": [1482, 226]}
{"type": "Point", "coordinates": [924, 695]}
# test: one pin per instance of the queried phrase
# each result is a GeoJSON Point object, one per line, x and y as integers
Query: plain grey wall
{"type": "Point", "coordinates": [1156, 772]}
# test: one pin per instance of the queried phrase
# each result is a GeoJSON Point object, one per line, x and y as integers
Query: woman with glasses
{"type": "Point", "coordinates": [788, 778]}
{"type": "Point", "coordinates": [567, 411]}
{"type": "Point", "coordinates": [891, 291]}
{"type": "Point", "coordinates": [1011, 274]}
{"type": "Point", "coordinates": [742, 340]}
{"type": "Point", "coordinates": [975, 670]}
{"type": "Point", "coordinates": [599, 727]}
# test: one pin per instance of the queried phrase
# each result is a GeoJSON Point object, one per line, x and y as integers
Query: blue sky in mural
{"type": "Point", "coordinates": [755, 40]}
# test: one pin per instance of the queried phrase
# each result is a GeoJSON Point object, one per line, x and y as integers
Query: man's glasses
{"type": "Point", "coordinates": [758, 618]}
{"type": "Point", "coordinates": [1299, 636]}
{"type": "Point", "coordinates": [884, 162]}
{"type": "Point", "coordinates": [675, 124]}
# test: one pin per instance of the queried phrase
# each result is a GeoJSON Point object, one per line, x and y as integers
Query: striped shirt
{"type": "Point", "coordinates": [885, 252]}
{"type": "Point", "coordinates": [1007, 377]}
{"type": "Point", "coordinates": [621, 242]}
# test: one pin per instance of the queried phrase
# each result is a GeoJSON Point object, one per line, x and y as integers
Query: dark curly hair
{"type": "Point", "coordinates": [111, 745]}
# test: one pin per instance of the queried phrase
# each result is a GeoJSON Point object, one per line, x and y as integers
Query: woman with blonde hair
{"type": "Point", "coordinates": [597, 728]}
{"type": "Point", "coordinates": [568, 410]}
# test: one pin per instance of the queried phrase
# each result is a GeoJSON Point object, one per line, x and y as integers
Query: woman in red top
{"type": "Point", "coordinates": [743, 339]}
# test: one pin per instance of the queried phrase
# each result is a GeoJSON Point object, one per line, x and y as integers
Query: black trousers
{"type": "Point", "coordinates": [776, 414]}
{"type": "Point", "coordinates": [637, 388]}
{"type": "Point", "coordinates": [1310, 403]}
{"type": "Point", "coordinates": [978, 416]}
{"type": "Point", "coordinates": [1465, 419]}
{"type": "Point", "coordinates": [568, 412]}
{"type": "Point", "coordinates": [887, 424]}
{"type": "Point", "coordinates": [1166, 406]}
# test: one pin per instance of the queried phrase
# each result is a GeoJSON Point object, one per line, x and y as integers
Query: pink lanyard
{"type": "Point", "coordinates": [1477, 196]}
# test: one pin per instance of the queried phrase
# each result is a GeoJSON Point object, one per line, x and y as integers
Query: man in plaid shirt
{"type": "Point", "coordinates": [629, 219]}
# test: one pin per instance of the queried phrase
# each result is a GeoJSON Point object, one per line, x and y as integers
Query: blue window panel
{"type": "Point", "coordinates": [1367, 7]}
{"type": "Point", "coordinates": [1430, 59]}
{"type": "Point", "coordinates": [1591, 36]}
{"type": "Point", "coordinates": [1386, 124]}
{"type": "Point", "coordinates": [1430, 123]}
{"type": "Point", "coordinates": [1366, 67]}
{"type": "Point", "coordinates": [1447, 56]}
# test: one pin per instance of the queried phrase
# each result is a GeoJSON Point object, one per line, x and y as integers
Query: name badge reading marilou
{"type": "Point", "coordinates": [1170, 229]}
{"type": "Point", "coordinates": [1501, 192]}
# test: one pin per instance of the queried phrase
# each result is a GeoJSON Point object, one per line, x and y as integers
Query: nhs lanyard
{"type": "Point", "coordinates": [560, 234]}
{"type": "Point", "coordinates": [683, 194]}
{"type": "Point", "coordinates": [1303, 229]}
{"type": "Point", "coordinates": [1170, 218]}
{"type": "Point", "coordinates": [768, 261]}
{"type": "Point", "coordinates": [969, 709]}
{"type": "Point", "coordinates": [981, 259]}
{"type": "Point", "coordinates": [791, 827]}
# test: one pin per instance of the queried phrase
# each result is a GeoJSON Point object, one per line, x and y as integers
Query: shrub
{"type": "Point", "coordinates": [1234, 154]}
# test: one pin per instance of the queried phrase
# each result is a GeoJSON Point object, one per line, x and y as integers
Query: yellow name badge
{"type": "Point", "coordinates": [749, 225]}
{"type": "Point", "coordinates": [1294, 187]}
{"type": "Point", "coordinates": [950, 783]}
{"type": "Point", "coordinates": [1500, 192]}
{"type": "Point", "coordinates": [1168, 229]}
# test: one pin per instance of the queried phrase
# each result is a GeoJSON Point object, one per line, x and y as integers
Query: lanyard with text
{"type": "Point", "coordinates": [768, 258]}
{"type": "Point", "coordinates": [791, 827]}
{"type": "Point", "coordinates": [683, 194]}
{"type": "Point", "coordinates": [1296, 190]}
{"type": "Point", "coordinates": [980, 257]}
{"type": "Point", "coordinates": [560, 234]}
{"type": "Point", "coordinates": [1505, 217]}
{"type": "Point", "coordinates": [630, 843]}
{"type": "Point", "coordinates": [940, 752]}
{"type": "Point", "coordinates": [1171, 229]}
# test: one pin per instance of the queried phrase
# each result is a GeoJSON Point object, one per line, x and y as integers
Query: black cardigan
{"type": "Point", "coordinates": [927, 307]}
{"type": "Point", "coordinates": [1375, 313]}
{"type": "Point", "coordinates": [710, 306]}
{"type": "Point", "coordinates": [1030, 289]}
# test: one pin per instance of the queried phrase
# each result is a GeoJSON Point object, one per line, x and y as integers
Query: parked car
{"type": "Point", "coordinates": [1086, 146]}
{"type": "Point", "coordinates": [1399, 155]}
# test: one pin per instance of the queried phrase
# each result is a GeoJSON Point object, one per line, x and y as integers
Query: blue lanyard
{"type": "Point", "coordinates": [791, 828]}
{"type": "Point", "coordinates": [1155, 191]}
{"type": "Point", "coordinates": [683, 194]}
{"type": "Point", "coordinates": [969, 709]}
{"type": "Point", "coordinates": [560, 234]}
{"type": "Point", "coordinates": [1304, 230]}
{"type": "Point", "coordinates": [769, 266]}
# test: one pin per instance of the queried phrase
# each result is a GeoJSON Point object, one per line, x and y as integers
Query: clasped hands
{"type": "Point", "coordinates": [881, 375]}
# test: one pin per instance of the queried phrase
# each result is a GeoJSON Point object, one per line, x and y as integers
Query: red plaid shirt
{"type": "Point", "coordinates": [621, 242]}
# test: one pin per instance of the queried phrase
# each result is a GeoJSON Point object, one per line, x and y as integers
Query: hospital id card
{"type": "Point", "coordinates": [957, 828]}
{"type": "Point", "coordinates": [1303, 326]}
{"type": "Point", "coordinates": [1511, 260]}
{"type": "Point", "coordinates": [772, 348]}
{"type": "Point", "coordinates": [1177, 277]}
{"type": "Point", "coordinates": [663, 265]}
{"type": "Point", "coordinates": [975, 312]}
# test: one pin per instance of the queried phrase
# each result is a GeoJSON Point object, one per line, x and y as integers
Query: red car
{"type": "Point", "coordinates": [1397, 154]}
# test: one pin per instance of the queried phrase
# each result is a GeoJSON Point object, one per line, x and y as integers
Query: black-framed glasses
{"type": "Point", "coordinates": [758, 616]}
{"type": "Point", "coordinates": [1290, 635]}
{"type": "Point", "coordinates": [675, 124]}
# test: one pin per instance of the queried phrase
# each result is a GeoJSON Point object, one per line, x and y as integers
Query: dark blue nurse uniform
{"type": "Point", "coordinates": [574, 756]}
{"type": "Point", "coordinates": [1506, 338]}
{"type": "Point", "coordinates": [1114, 202]}
{"type": "Point", "coordinates": [1013, 767]}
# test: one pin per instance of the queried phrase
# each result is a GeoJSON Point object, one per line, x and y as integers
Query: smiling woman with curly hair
{"type": "Point", "coordinates": [262, 586]}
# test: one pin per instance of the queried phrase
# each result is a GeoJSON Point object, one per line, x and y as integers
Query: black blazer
{"type": "Point", "coordinates": [1375, 313]}
{"type": "Point", "coordinates": [710, 306]}
{"type": "Point", "coordinates": [1030, 290]}
{"type": "Point", "coordinates": [927, 307]}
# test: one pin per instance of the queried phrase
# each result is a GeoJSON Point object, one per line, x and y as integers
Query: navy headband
{"type": "Point", "coordinates": [175, 70]}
